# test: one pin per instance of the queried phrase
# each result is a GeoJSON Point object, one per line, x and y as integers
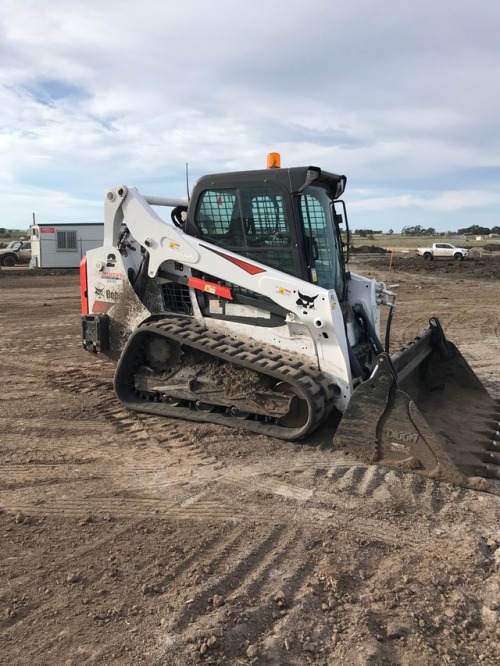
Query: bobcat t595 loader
{"type": "Point", "coordinates": [239, 310]}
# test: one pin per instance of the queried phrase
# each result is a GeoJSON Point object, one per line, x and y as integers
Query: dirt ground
{"type": "Point", "coordinates": [127, 539]}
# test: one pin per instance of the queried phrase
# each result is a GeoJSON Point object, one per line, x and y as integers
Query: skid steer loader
{"type": "Point", "coordinates": [240, 310]}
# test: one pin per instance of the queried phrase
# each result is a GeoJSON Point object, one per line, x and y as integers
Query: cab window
{"type": "Point", "coordinates": [250, 221]}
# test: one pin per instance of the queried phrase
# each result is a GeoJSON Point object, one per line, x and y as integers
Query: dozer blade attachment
{"type": "Point", "coordinates": [424, 410]}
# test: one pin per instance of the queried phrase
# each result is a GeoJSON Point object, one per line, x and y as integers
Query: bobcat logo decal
{"type": "Point", "coordinates": [306, 302]}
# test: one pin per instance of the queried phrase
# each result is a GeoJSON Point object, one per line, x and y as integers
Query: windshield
{"type": "Point", "coordinates": [14, 245]}
{"type": "Point", "coordinates": [249, 220]}
{"type": "Point", "coordinates": [318, 215]}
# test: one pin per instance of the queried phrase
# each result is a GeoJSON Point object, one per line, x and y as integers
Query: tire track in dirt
{"type": "Point", "coordinates": [161, 434]}
{"type": "Point", "coordinates": [134, 487]}
{"type": "Point", "coordinates": [20, 484]}
{"type": "Point", "coordinates": [489, 325]}
{"type": "Point", "coordinates": [13, 390]}
{"type": "Point", "coordinates": [171, 436]}
{"type": "Point", "coordinates": [114, 532]}
{"type": "Point", "coordinates": [78, 379]}
{"type": "Point", "coordinates": [405, 331]}
{"type": "Point", "coordinates": [350, 478]}
{"type": "Point", "coordinates": [484, 358]}
{"type": "Point", "coordinates": [179, 504]}
{"type": "Point", "coordinates": [257, 589]}
{"type": "Point", "coordinates": [140, 429]}
{"type": "Point", "coordinates": [213, 548]}
{"type": "Point", "coordinates": [214, 511]}
{"type": "Point", "coordinates": [381, 484]}
{"type": "Point", "coordinates": [42, 344]}
{"type": "Point", "coordinates": [48, 447]}
{"type": "Point", "coordinates": [355, 482]}
{"type": "Point", "coordinates": [146, 458]}
{"type": "Point", "coordinates": [146, 483]}
{"type": "Point", "coordinates": [34, 425]}
{"type": "Point", "coordinates": [244, 570]}
{"type": "Point", "coordinates": [122, 507]}
{"type": "Point", "coordinates": [15, 476]}
{"type": "Point", "coordinates": [269, 608]}
{"type": "Point", "coordinates": [11, 364]}
{"type": "Point", "coordinates": [458, 322]}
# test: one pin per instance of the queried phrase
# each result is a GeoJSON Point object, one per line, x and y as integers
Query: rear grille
{"type": "Point", "coordinates": [176, 298]}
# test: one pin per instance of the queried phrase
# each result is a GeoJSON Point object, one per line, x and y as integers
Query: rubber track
{"type": "Point", "coordinates": [318, 390]}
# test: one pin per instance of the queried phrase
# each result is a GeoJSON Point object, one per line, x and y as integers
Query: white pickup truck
{"type": "Point", "coordinates": [442, 250]}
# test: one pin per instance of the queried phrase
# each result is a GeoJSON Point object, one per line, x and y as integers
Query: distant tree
{"type": "Point", "coordinates": [391, 231]}
{"type": "Point", "coordinates": [366, 232]}
{"type": "Point", "coordinates": [2, 231]}
{"type": "Point", "coordinates": [495, 230]}
{"type": "Point", "coordinates": [430, 231]}
{"type": "Point", "coordinates": [416, 230]}
{"type": "Point", "coordinates": [475, 230]}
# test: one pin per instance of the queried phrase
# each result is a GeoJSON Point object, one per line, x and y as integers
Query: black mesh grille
{"type": "Point", "coordinates": [176, 298]}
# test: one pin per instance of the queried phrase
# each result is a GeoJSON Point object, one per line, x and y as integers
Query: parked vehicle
{"type": "Point", "coordinates": [443, 251]}
{"type": "Point", "coordinates": [16, 252]}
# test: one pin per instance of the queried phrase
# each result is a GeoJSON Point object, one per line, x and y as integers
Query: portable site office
{"type": "Point", "coordinates": [63, 245]}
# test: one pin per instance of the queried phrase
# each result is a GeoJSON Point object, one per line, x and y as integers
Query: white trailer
{"type": "Point", "coordinates": [63, 245]}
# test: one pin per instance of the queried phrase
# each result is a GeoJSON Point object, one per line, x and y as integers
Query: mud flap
{"type": "Point", "coordinates": [424, 410]}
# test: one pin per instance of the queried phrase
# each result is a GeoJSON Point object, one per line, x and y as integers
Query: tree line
{"type": "Point", "coordinates": [13, 233]}
{"type": "Point", "coordinates": [418, 230]}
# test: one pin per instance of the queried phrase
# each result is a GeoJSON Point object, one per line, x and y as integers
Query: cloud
{"type": "Point", "coordinates": [445, 201]}
{"type": "Point", "coordinates": [402, 97]}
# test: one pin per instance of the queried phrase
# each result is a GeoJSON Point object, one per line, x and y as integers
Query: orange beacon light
{"type": "Point", "coordinates": [273, 160]}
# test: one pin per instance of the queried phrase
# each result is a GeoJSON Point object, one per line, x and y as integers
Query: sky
{"type": "Point", "coordinates": [403, 97]}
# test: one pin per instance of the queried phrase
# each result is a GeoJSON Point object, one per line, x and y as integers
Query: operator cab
{"type": "Point", "coordinates": [282, 218]}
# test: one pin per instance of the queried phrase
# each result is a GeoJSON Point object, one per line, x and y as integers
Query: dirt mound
{"type": "Point", "coordinates": [368, 249]}
{"type": "Point", "coordinates": [492, 247]}
{"type": "Point", "coordinates": [484, 268]}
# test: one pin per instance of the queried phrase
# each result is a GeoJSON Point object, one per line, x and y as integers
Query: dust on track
{"type": "Point", "coordinates": [132, 539]}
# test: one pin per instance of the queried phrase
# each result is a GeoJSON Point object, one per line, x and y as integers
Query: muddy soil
{"type": "Point", "coordinates": [481, 267]}
{"type": "Point", "coordinates": [128, 539]}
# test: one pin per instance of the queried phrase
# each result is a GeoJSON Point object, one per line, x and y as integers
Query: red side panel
{"type": "Point", "coordinates": [84, 294]}
{"type": "Point", "coordinates": [244, 265]}
{"type": "Point", "coordinates": [211, 288]}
